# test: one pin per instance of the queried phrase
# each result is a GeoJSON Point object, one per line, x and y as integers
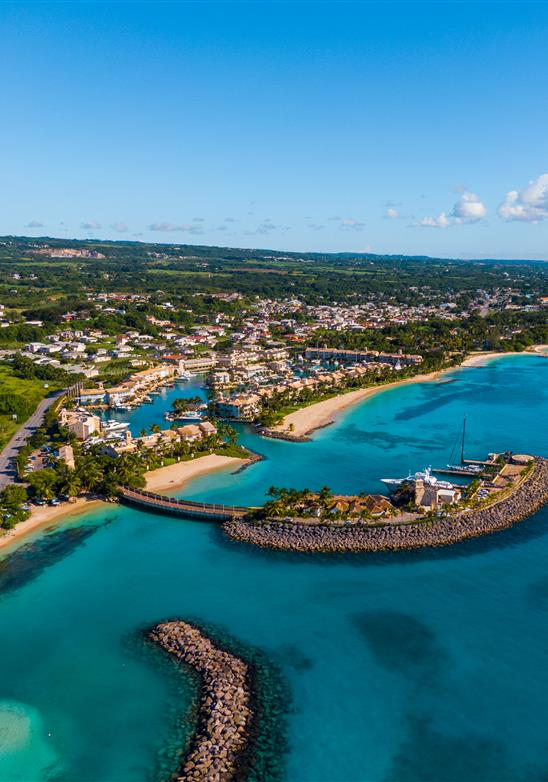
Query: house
{"type": "Point", "coordinates": [82, 424]}
{"type": "Point", "coordinates": [66, 454]}
{"type": "Point", "coordinates": [93, 396]}
{"type": "Point", "coordinates": [432, 497]}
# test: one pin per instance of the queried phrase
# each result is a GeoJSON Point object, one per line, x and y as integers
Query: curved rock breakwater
{"type": "Point", "coordinates": [527, 498]}
{"type": "Point", "coordinates": [243, 701]}
{"type": "Point", "coordinates": [225, 710]}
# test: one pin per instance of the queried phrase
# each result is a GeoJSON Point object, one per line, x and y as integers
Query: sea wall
{"type": "Point", "coordinates": [225, 704]}
{"type": "Point", "coordinates": [527, 498]}
{"type": "Point", "coordinates": [291, 438]}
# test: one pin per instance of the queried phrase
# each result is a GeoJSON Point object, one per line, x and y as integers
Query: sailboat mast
{"type": "Point", "coordinates": [462, 444]}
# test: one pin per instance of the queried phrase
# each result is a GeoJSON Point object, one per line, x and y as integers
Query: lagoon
{"type": "Point", "coordinates": [411, 666]}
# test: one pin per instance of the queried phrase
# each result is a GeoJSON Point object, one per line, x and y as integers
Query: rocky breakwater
{"type": "Point", "coordinates": [285, 435]}
{"type": "Point", "coordinates": [519, 504]}
{"type": "Point", "coordinates": [225, 704]}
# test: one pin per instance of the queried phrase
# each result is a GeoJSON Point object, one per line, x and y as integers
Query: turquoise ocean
{"type": "Point", "coordinates": [427, 666]}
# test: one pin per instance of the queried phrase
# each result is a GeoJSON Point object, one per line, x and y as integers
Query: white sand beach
{"type": "Point", "coordinates": [173, 477]}
{"type": "Point", "coordinates": [42, 516]}
{"type": "Point", "coordinates": [304, 421]}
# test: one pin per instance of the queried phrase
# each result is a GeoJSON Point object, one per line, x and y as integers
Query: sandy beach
{"type": "Point", "coordinates": [321, 414]}
{"type": "Point", "coordinates": [480, 359]}
{"type": "Point", "coordinates": [172, 478]}
{"type": "Point", "coordinates": [165, 479]}
{"type": "Point", "coordinates": [49, 514]}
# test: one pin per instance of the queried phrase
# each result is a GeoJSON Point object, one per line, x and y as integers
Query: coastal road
{"type": "Point", "coordinates": [7, 470]}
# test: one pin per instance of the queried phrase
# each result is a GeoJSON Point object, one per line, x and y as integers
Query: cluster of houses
{"type": "Point", "coordinates": [115, 437]}
{"type": "Point", "coordinates": [130, 392]}
{"type": "Point", "coordinates": [369, 505]}
{"type": "Point", "coordinates": [248, 406]}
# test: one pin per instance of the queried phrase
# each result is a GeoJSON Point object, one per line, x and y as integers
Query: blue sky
{"type": "Point", "coordinates": [383, 127]}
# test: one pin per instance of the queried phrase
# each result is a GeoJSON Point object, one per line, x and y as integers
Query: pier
{"type": "Point", "coordinates": [159, 503]}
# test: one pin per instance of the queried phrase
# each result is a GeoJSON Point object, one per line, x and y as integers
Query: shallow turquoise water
{"type": "Point", "coordinates": [416, 666]}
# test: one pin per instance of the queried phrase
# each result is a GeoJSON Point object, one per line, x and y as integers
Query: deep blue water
{"type": "Point", "coordinates": [415, 666]}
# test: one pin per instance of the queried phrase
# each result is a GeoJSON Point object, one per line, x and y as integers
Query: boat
{"type": "Point", "coordinates": [421, 475]}
{"type": "Point", "coordinates": [191, 415]}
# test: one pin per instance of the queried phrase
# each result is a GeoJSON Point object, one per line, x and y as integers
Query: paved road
{"type": "Point", "coordinates": [7, 471]}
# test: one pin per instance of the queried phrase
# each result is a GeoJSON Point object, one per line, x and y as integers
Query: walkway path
{"type": "Point", "coordinates": [187, 508]}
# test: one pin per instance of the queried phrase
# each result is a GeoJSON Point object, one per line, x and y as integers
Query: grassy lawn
{"type": "Point", "coordinates": [20, 395]}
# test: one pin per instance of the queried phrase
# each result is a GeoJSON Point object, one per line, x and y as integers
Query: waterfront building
{"type": "Point", "coordinates": [81, 423]}
{"type": "Point", "coordinates": [361, 356]}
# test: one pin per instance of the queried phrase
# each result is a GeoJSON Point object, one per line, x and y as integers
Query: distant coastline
{"type": "Point", "coordinates": [299, 425]}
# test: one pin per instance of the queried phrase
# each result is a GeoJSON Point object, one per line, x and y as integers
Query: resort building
{"type": "Point", "coordinates": [431, 497]}
{"type": "Point", "coordinates": [81, 423]}
{"type": "Point", "coordinates": [241, 408]}
{"type": "Point", "coordinates": [361, 356]}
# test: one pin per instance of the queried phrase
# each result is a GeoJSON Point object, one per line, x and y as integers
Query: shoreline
{"type": "Point", "coordinates": [41, 516]}
{"type": "Point", "coordinates": [308, 419]}
{"type": "Point", "coordinates": [175, 476]}
{"type": "Point", "coordinates": [321, 414]}
{"type": "Point", "coordinates": [164, 479]}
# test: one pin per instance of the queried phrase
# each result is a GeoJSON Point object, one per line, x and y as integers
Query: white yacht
{"type": "Point", "coordinates": [422, 475]}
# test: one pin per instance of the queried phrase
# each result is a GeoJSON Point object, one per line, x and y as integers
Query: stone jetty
{"type": "Point", "coordinates": [290, 438]}
{"type": "Point", "coordinates": [225, 703]}
{"type": "Point", "coordinates": [521, 503]}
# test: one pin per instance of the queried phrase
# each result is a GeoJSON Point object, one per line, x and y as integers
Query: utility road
{"type": "Point", "coordinates": [7, 469]}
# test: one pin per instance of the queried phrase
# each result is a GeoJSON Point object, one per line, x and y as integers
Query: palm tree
{"type": "Point", "coordinates": [325, 495]}
{"type": "Point", "coordinates": [90, 473]}
{"type": "Point", "coordinates": [70, 484]}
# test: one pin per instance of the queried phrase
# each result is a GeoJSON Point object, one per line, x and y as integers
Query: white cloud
{"type": "Point", "coordinates": [35, 224]}
{"type": "Point", "coordinates": [392, 214]}
{"type": "Point", "coordinates": [120, 227]}
{"type": "Point", "coordinates": [91, 225]}
{"type": "Point", "coordinates": [468, 209]}
{"type": "Point", "coordinates": [441, 221]}
{"type": "Point", "coordinates": [529, 205]}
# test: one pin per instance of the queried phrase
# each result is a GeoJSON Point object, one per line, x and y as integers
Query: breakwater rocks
{"type": "Point", "coordinates": [241, 733]}
{"type": "Point", "coordinates": [291, 438]}
{"type": "Point", "coordinates": [527, 498]}
{"type": "Point", "coordinates": [225, 710]}
{"type": "Point", "coordinates": [253, 458]}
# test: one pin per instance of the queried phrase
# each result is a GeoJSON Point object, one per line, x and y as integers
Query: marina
{"type": "Point", "coordinates": [387, 619]}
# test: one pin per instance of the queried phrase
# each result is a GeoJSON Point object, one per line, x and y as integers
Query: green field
{"type": "Point", "coordinates": [18, 397]}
